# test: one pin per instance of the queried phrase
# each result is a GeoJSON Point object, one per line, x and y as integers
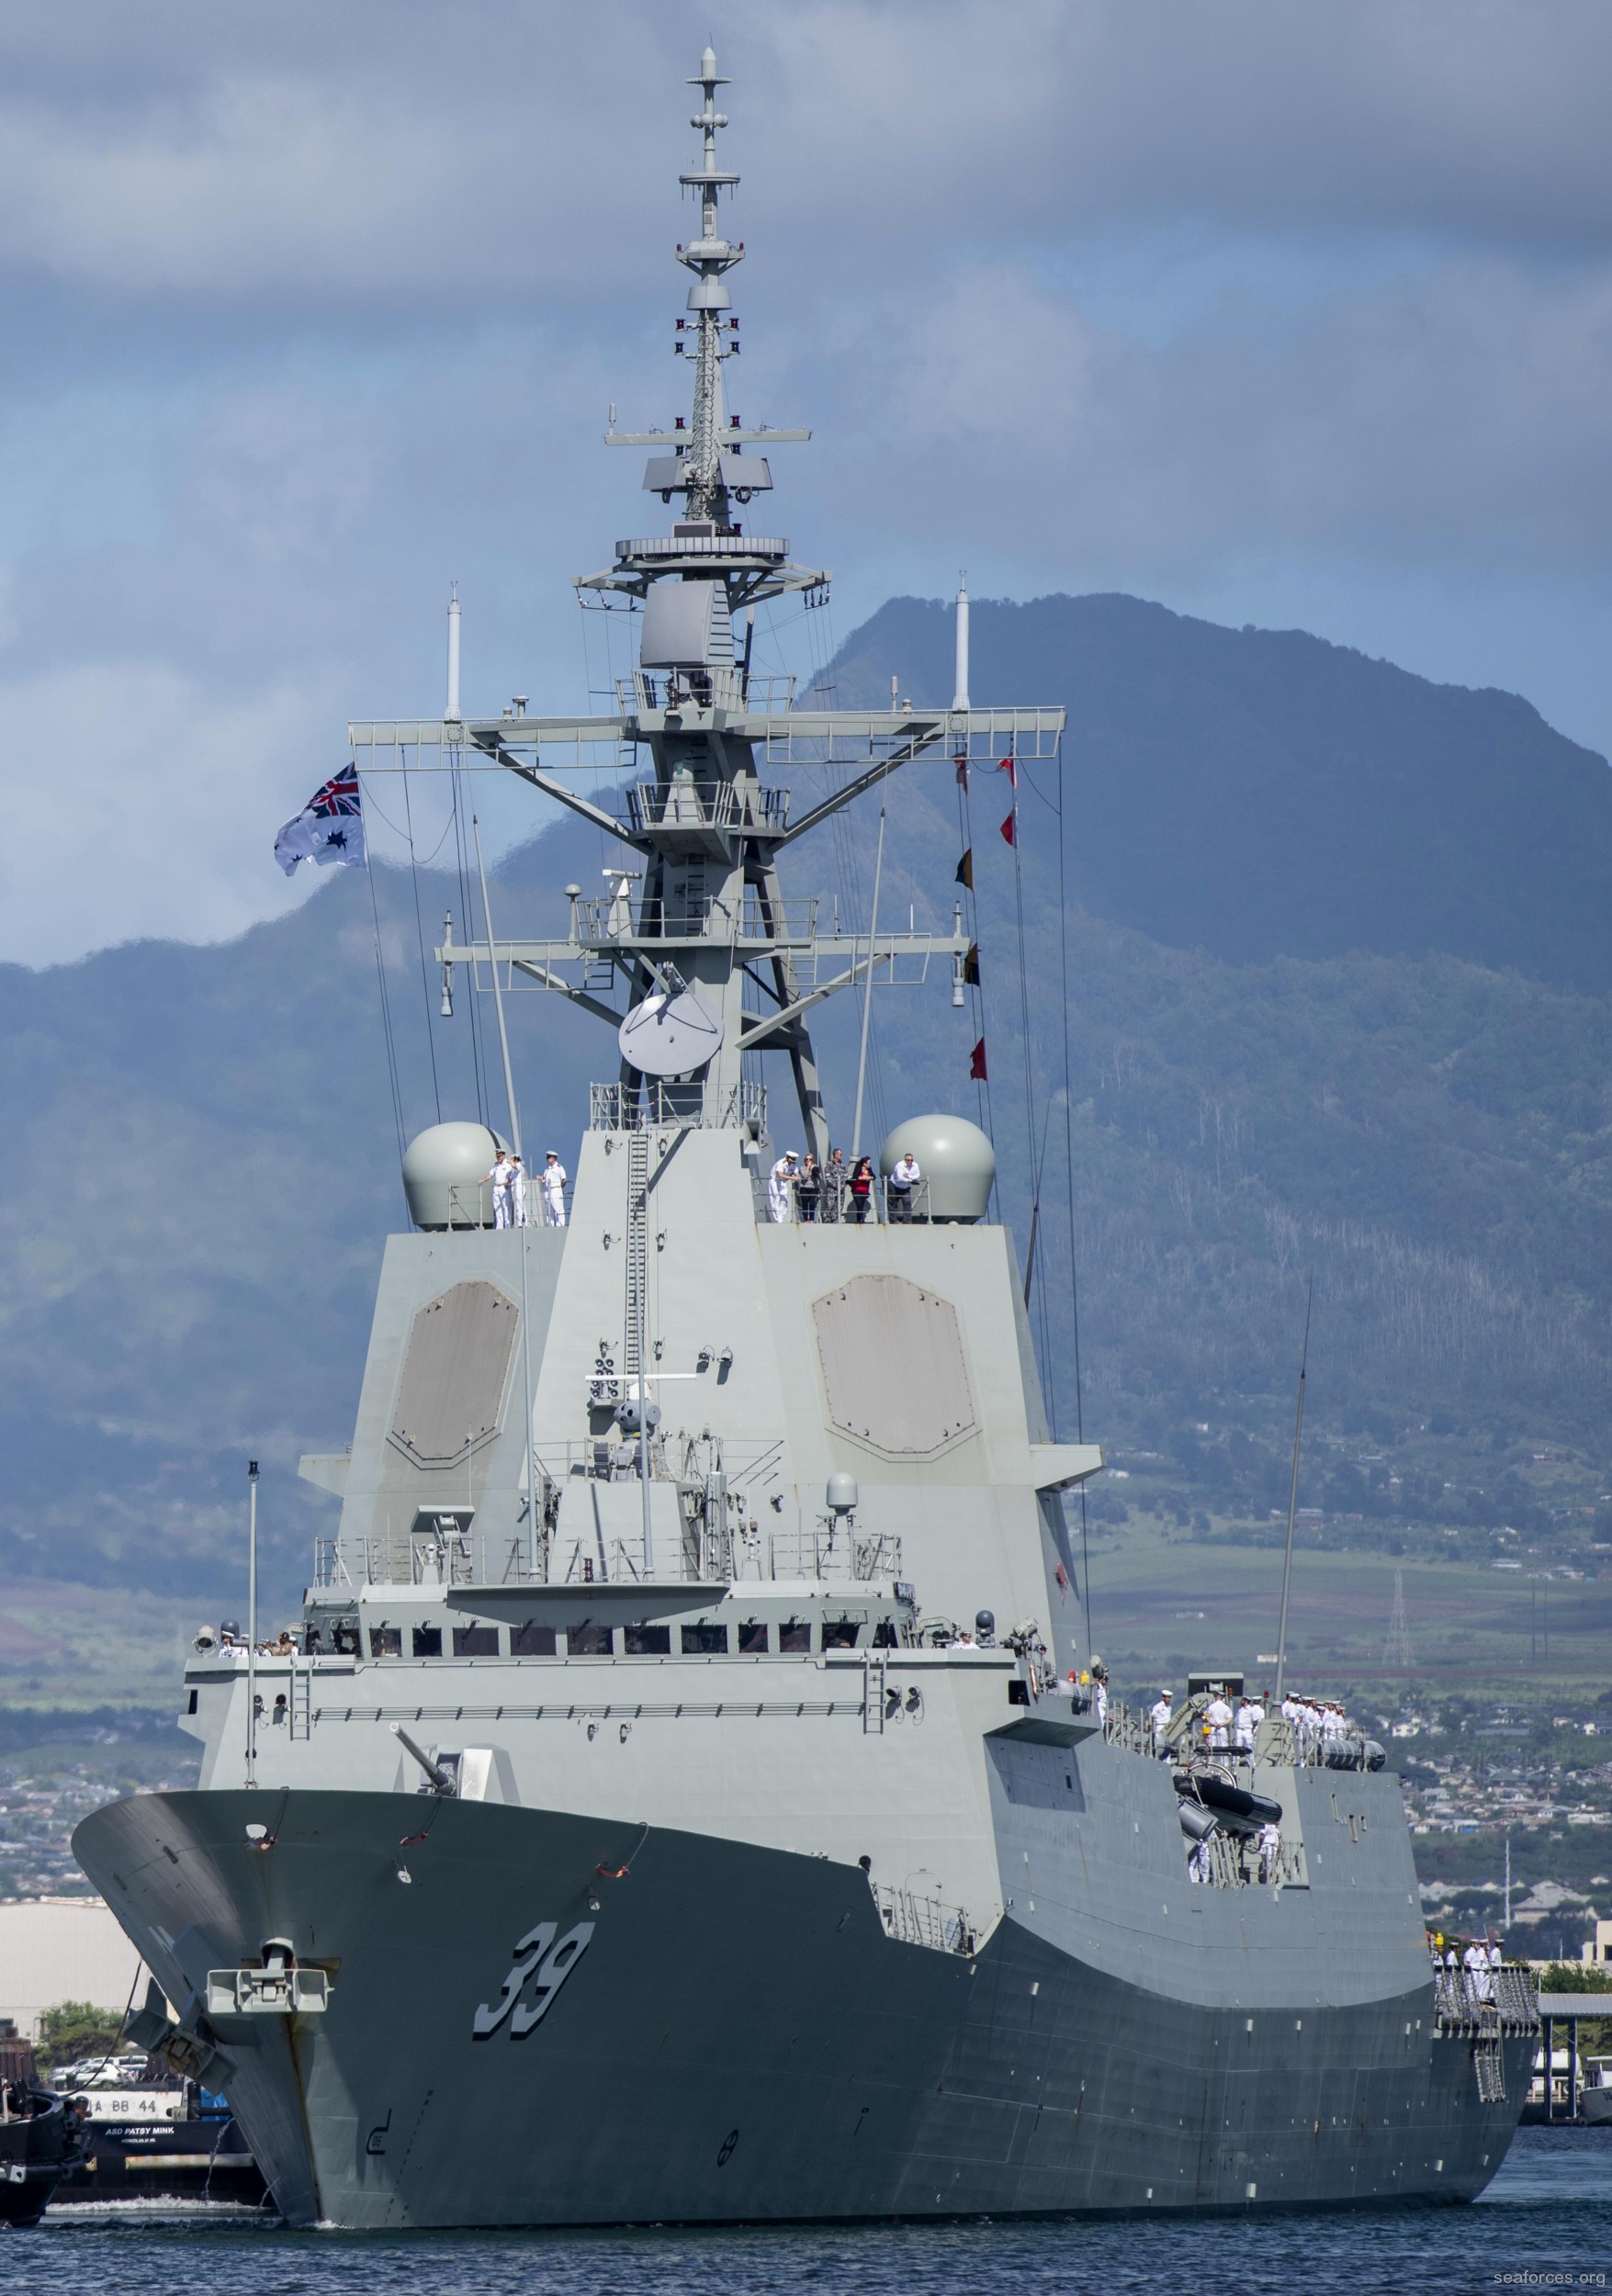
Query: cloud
{"type": "Point", "coordinates": [135, 805]}
{"type": "Point", "coordinates": [310, 309]}
{"type": "Point", "coordinates": [502, 147]}
{"type": "Point", "coordinates": [1463, 415]}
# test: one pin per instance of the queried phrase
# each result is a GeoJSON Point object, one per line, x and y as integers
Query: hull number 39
{"type": "Point", "coordinates": [543, 1962]}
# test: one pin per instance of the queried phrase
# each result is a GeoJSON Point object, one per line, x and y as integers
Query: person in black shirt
{"type": "Point", "coordinates": [860, 1192]}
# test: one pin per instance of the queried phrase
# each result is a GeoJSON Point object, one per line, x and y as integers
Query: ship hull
{"type": "Point", "coordinates": [36, 2152]}
{"type": "Point", "coordinates": [736, 2037]}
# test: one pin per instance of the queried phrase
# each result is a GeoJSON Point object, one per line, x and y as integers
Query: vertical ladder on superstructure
{"type": "Point", "coordinates": [638, 1254]}
{"type": "Point", "coordinates": [301, 1700]}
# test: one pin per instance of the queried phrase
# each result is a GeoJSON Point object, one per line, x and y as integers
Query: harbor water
{"type": "Point", "coordinates": [1546, 2221]}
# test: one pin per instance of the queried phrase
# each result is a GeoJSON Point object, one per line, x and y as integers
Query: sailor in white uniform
{"type": "Point", "coordinates": [517, 1192]}
{"type": "Point", "coordinates": [1159, 1715]}
{"type": "Point", "coordinates": [552, 1181]}
{"type": "Point", "coordinates": [781, 1187]}
{"type": "Point", "coordinates": [1250, 1715]}
{"type": "Point", "coordinates": [1217, 1724]}
{"type": "Point", "coordinates": [499, 1179]}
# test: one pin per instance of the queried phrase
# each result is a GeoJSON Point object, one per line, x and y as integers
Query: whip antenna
{"type": "Point", "coordinates": [1287, 1568]}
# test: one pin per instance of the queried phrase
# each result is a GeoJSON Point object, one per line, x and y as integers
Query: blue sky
{"type": "Point", "coordinates": [1277, 311]}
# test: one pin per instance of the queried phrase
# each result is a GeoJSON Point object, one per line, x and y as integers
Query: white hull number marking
{"type": "Point", "coordinates": [548, 1964]}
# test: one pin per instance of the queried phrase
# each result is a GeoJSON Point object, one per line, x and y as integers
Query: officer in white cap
{"type": "Point", "coordinates": [781, 1187]}
{"type": "Point", "coordinates": [552, 1181]}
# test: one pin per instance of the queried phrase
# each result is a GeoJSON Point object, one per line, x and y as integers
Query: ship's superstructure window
{"type": "Point", "coordinates": [529, 1640]}
{"type": "Point", "coordinates": [840, 1633]}
{"type": "Point", "coordinates": [589, 1641]}
{"type": "Point", "coordinates": [427, 1642]}
{"type": "Point", "coordinates": [795, 1634]}
{"type": "Point", "coordinates": [707, 1638]}
{"type": "Point", "coordinates": [345, 1638]}
{"type": "Point", "coordinates": [885, 1635]}
{"type": "Point", "coordinates": [647, 1642]}
{"type": "Point", "coordinates": [386, 1642]}
{"type": "Point", "coordinates": [752, 1638]}
{"type": "Point", "coordinates": [475, 1642]}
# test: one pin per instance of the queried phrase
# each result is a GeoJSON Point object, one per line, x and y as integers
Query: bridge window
{"type": "Point", "coordinates": [589, 1641]}
{"type": "Point", "coordinates": [427, 1642]}
{"type": "Point", "coordinates": [795, 1634]}
{"type": "Point", "coordinates": [475, 1642]}
{"type": "Point", "coordinates": [647, 1642]}
{"type": "Point", "coordinates": [752, 1638]}
{"type": "Point", "coordinates": [529, 1640]}
{"type": "Point", "coordinates": [707, 1638]}
{"type": "Point", "coordinates": [839, 1634]}
{"type": "Point", "coordinates": [386, 1642]}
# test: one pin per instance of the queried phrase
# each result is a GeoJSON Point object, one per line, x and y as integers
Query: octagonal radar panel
{"type": "Point", "coordinates": [670, 1036]}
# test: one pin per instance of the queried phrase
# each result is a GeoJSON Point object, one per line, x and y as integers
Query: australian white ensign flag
{"type": "Point", "coordinates": [330, 828]}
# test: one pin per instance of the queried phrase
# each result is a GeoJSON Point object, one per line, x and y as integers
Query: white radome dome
{"type": "Point", "coordinates": [955, 1158]}
{"type": "Point", "coordinates": [442, 1170]}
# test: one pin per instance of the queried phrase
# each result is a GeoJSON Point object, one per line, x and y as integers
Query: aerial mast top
{"type": "Point", "coordinates": [710, 258]}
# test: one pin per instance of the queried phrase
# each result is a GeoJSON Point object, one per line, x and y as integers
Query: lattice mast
{"type": "Point", "coordinates": [699, 906]}
{"type": "Point", "coordinates": [710, 258]}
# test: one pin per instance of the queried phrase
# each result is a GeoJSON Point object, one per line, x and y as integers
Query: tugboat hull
{"type": "Point", "coordinates": [36, 2152]}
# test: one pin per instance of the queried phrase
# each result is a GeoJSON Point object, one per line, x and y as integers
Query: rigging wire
{"type": "Point", "coordinates": [385, 1012]}
{"type": "Point", "coordinates": [403, 835]}
{"type": "Point", "coordinates": [457, 783]}
{"type": "Point", "coordinates": [965, 827]}
{"type": "Point", "coordinates": [420, 935]}
{"type": "Point", "coordinates": [467, 920]}
{"type": "Point", "coordinates": [1069, 1182]}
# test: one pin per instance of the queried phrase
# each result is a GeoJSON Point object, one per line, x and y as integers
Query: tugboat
{"type": "Point", "coordinates": [39, 2133]}
{"type": "Point", "coordinates": [672, 1804]}
{"type": "Point", "coordinates": [149, 2133]}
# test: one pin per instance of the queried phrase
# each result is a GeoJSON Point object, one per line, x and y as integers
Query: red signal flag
{"type": "Point", "coordinates": [1007, 831]}
{"type": "Point", "coordinates": [977, 1062]}
{"type": "Point", "coordinates": [965, 870]}
{"type": "Point", "coordinates": [1010, 769]}
{"type": "Point", "coordinates": [961, 765]}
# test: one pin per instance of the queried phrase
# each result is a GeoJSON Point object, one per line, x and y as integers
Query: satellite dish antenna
{"type": "Point", "coordinates": [670, 1036]}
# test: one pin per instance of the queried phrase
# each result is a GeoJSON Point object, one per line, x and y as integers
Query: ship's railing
{"type": "Point", "coordinates": [1121, 1727]}
{"type": "Point", "coordinates": [914, 1919]}
{"type": "Point", "coordinates": [421, 1557]}
{"type": "Point", "coordinates": [832, 1201]}
{"type": "Point", "coordinates": [1229, 1861]}
{"type": "Point", "coordinates": [731, 543]}
{"type": "Point", "coordinates": [849, 736]}
{"type": "Point", "coordinates": [617, 1107]}
{"type": "Point", "coordinates": [330, 1565]}
{"type": "Point", "coordinates": [654, 923]}
{"type": "Point", "coordinates": [1489, 2000]}
{"type": "Point", "coordinates": [723, 687]}
{"type": "Point", "coordinates": [823, 1550]}
{"type": "Point", "coordinates": [684, 804]}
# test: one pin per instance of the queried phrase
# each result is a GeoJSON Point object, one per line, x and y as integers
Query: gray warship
{"type": "Point", "coordinates": [629, 1832]}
